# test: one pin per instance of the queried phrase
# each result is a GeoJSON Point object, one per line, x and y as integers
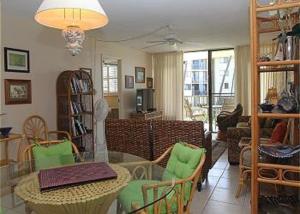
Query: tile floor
{"type": "Point", "coordinates": [218, 193]}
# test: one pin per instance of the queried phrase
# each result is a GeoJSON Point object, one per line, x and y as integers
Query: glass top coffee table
{"type": "Point", "coordinates": [95, 197]}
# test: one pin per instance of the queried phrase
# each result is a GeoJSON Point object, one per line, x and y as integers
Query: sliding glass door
{"type": "Point", "coordinates": [222, 84]}
{"type": "Point", "coordinates": [208, 85]}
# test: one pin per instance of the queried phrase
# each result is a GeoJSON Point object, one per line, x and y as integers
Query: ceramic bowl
{"type": "Point", "coordinates": [4, 131]}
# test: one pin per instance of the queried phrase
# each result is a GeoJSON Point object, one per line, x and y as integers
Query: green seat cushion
{"type": "Point", "coordinates": [53, 156]}
{"type": "Point", "coordinates": [182, 164]}
{"type": "Point", "coordinates": [132, 193]}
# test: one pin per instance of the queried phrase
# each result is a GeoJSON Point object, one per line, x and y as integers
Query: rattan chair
{"type": "Point", "coordinates": [27, 155]}
{"type": "Point", "coordinates": [178, 198]}
{"type": "Point", "coordinates": [245, 156]}
{"type": "Point", "coordinates": [35, 129]}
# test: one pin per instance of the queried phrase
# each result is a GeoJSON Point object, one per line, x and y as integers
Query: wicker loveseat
{"type": "Point", "coordinates": [234, 135]}
{"type": "Point", "coordinates": [149, 139]}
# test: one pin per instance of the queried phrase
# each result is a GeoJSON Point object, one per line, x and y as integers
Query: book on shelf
{"type": "Point", "coordinates": [77, 107]}
{"type": "Point", "coordinates": [78, 128]}
{"type": "Point", "coordinates": [80, 85]}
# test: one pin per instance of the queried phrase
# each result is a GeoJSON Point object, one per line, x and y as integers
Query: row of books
{"type": "Point", "coordinates": [78, 128]}
{"type": "Point", "coordinates": [80, 85]}
{"type": "Point", "coordinates": [77, 108]}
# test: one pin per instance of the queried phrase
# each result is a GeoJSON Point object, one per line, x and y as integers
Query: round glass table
{"type": "Point", "coordinates": [131, 191]}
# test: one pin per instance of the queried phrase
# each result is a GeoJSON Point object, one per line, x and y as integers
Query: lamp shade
{"type": "Point", "coordinates": [85, 14]}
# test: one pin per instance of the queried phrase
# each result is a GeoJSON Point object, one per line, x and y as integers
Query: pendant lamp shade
{"type": "Point", "coordinates": [85, 14]}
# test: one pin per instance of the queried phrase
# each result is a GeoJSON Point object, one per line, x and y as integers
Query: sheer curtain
{"type": "Point", "coordinates": [243, 78]}
{"type": "Point", "coordinates": [168, 81]}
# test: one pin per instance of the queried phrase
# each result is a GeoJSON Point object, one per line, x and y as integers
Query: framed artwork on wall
{"type": "Point", "coordinates": [129, 81]}
{"type": "Point", "coordinates": [139, 74]}
{"type": "Point", "coordinates": [17, 91]}
{"type": "Point", "coordinates": [149, 82]}
{"type": "Point", "coordinates": [16, 60]}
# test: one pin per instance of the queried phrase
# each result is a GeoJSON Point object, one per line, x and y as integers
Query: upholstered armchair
{"type": "Point", "coordinates": [138, 193]}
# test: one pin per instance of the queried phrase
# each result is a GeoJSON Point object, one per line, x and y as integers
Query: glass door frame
{"type": "Point", "coordinates": [210, 96]}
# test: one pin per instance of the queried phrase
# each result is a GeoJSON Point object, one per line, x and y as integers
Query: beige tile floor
{"type": "Point", "coordinates": [217, 195]}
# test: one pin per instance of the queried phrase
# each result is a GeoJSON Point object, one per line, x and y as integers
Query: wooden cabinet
{"type": "Point", "coordinates": [75, 108]}
{"type": "Point", "coordinates": [156, 115]}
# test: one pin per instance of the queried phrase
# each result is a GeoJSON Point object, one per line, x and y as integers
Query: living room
{"type": "Point", "coordinates": [127, 82]}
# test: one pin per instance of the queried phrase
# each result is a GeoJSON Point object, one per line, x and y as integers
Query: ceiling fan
{"type": "Point", "coordinates": [170, 39]}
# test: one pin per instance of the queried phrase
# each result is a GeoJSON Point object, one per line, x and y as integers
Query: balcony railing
{"type": "Point", "coordinates": [200, 104]}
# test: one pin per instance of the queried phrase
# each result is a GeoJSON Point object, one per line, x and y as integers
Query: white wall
{"type": "Point", "coordinates": [130, 58]}
{"type": "Point", "coordinates": [48, 58]}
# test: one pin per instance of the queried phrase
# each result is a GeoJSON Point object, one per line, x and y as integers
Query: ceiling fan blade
{"type": "Point", "coordinates": [156, 41]}
{"type": "Point", "coordinates": [150, 46]}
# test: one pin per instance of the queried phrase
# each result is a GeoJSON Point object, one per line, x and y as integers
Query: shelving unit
{"type": "Point", "coordinates": [75, 107]}
{"type": "Point", "coordinates": [258, 26]}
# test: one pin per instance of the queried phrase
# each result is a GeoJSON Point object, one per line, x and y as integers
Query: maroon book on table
{"type": "Point", "coordinates": [74, 175]}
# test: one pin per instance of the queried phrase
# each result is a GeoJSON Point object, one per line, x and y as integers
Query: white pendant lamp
{"type": "Point", "coordinates": [73, 17]}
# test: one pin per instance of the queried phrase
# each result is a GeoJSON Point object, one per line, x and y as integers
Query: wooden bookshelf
{"type": "Point", "coordinates": [75, 107]}
{"type": "Point", "coordinates": [258, 67]}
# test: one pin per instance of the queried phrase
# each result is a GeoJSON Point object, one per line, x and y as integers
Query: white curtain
{"type": "Point", "coordinates": [243, 78]}
{"type": "Point", "coordinates": [168, 81]}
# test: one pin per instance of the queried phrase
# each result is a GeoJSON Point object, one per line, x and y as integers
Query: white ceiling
{"type": "Point", "coordinates": [211, 23]}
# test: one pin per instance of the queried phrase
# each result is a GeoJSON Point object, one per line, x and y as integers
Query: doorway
{"type": "Point", "coordinates": [111, 85]}
{"type": "Point", "coordinates": [208, 85]}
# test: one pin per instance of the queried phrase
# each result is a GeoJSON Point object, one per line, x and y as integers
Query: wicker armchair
{"type": "Point", "coordinates": [245, 155]}
{"type": "Point", "coordinates": [235, 134]}
{"type": "Point", "coordinates": [35, 128]}
{"type": "Point", "coordinates": [228, 119]}
{"type": "Point", "coordinates": [178, 201]}
{"type": "Point", "coordinates": [149, 139]}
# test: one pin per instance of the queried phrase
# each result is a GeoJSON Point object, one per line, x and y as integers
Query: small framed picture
{"type": "Point", "coordinates": [88, 70]}
{"type": "Point", "coordinates": [17, 91]}
{"type": "Point", "coordinates": [129, 81]}
{"type": "Point", "coordinates": [16, 60]}
{"type": "Point", "coordinates": [139, 75]}
{"type": "Point", "coordinates": [149, 82]}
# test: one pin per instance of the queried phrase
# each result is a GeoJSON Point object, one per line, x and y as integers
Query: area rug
{"type": "Point", "coordinates": [218, 148]}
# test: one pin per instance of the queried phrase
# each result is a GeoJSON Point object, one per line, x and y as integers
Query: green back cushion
{"type": "Point", "coordinates": [53, 156]}
{"type": "Point", "coordinates": [182, 163]}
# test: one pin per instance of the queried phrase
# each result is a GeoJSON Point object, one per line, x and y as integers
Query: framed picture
{"type": "Point", "coordinates": [88, 70]}
{"type": "Point", "coordinates": [139, 75]}
{"type": "Point", "coordinates": [129, 81]}
{"type": "Point", "coordinates": [149, 82]}
{"type": "Point", "coordinates": [17, 91]}
{"type": "Point", "coordinates": [16, 60]}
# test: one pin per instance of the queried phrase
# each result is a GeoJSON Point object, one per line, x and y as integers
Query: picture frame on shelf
{"type": "Point", "coordinates": [17, 91]}
{"type": "Point", "coordinates": [149, 82]}
{"type": "Point", "coordinates": [16, 60]}
{"type": "Point", "coordinates": [88, 70]}
{"type": "Point", "coordinates": [129, 81]}
{"type": "Point", "coordinates": [140, 74]}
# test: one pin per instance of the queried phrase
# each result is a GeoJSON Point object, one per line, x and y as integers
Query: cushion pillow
{"type": "Point", "coordinates": [53, 156]}
{"type": "Point", "coordinates": [132, 193]}
{"type": "Point", "coordinates": [242, 125]}
{"type": "Point", "coordinates": [182, 163]}
{"type": "Point", "coordinates": [279, 132]}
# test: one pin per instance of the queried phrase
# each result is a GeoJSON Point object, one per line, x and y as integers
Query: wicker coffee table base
{"type": "Point", "coordinates": [94, 197]}
{"type": "Point", "coordinates": [99, 206]}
